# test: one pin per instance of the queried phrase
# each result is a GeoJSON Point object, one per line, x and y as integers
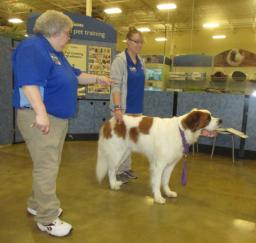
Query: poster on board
{"type": "Point", "coordinates": [99, 61]}
{"type": "Point", "coordinates": [76, 55]}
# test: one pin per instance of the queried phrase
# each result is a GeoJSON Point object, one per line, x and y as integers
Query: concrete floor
{"type": "Point", "coordinates": [217, 205]}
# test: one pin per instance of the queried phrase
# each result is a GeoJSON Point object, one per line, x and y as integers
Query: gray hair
{"type": "Point", "coordinates": [52, 22]}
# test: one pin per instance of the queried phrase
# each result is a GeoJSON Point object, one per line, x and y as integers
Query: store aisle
{"type": "Point", "coordinates": [217, 205]}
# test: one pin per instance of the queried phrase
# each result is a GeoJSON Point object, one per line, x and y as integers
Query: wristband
{"type": "Point", "coordinates": [117, 107]}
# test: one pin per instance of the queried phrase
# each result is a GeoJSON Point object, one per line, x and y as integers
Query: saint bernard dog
{"type": "Point", "coordinates": [159, 139]}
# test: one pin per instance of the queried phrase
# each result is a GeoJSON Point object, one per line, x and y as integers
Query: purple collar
{"type": "Point", "coordinates": [184, 142]}
{"type": "Point", "coordinates": [185, 152]}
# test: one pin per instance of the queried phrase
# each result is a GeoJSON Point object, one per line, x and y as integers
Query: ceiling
{"type": "Point", "coordinates": [189, 15]}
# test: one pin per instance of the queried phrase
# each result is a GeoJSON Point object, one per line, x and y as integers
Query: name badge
{"type": "Point", "coordinates": [133, 69]}
{"type": "Point", "coordinates": [55, 59]}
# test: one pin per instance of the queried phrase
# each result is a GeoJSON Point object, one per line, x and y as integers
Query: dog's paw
{"type": "Point", "coordinates": [116, 186]}
{"type": "Point", "coordinates": [170, 193]}
{"type": "Point", "coordinates": [160, 200]}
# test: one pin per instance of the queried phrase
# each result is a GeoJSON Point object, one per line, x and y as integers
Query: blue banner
{"type": "Point", "coordinates": [85, 28]}
{"type": "Point", "coordinates": [192, 61]}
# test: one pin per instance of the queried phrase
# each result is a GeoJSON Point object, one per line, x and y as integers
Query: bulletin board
{"type": "Point", "coordinates": [99, 63]}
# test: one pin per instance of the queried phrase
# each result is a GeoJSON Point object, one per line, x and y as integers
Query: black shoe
{"type": "Point", "coordinates": [130, 174]}
{"type": "Point", "coordinates": [122, 177]}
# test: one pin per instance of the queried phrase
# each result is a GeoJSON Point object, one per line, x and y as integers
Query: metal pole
{"type": "Point", "coordinates": [88, 7]}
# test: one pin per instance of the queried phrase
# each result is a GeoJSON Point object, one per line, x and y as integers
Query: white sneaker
{"type": "Point", "coordinates": [34, 212]}
{"type": "Point", "coordinates": [56, 228]}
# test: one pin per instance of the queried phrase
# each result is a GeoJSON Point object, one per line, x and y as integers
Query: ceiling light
{"type": "Point", "coordinates": [166, 6]}
{"type": "Point", "coordinates": [218, 36]}
{"type": "Point", "coordinates": [15, 20]}
{"type": "Point", "coordinates": [143, 29]}
{"type": "Point", "coordinates": [112, 10]}
{"type": "Point", "coordinates": [211, 25]}
{"type": "Point", "coordinates": [160, 39]}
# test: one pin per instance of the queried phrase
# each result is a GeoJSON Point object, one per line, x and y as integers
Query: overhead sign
{"type": "Point", "coordinates": [85, 28]}
{"type": "Point", "coordinates": [193, 60]}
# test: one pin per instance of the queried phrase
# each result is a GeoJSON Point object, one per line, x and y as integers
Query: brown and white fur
{"type": "Point", "coordinates": [157, 138]}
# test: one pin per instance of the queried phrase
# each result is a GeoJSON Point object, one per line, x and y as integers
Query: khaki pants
{"type": "Point", "coordinates": [45, 151]}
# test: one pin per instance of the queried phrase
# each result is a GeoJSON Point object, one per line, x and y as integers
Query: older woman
{"type": "Point", "coordinates": [127, 92]}
{"type": "Point", "coordinates": [45, 97]}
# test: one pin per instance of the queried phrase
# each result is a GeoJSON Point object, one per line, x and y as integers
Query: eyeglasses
{"type": "Point", "coordinates": [68, 33]}
{"type": "Point", "coordinates": [137, 41]}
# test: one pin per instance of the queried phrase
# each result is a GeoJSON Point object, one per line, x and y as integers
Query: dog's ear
{"type": "Point", "coordinates": [196, 120]}
{"type": "Point", "coordinates": [191, 121]}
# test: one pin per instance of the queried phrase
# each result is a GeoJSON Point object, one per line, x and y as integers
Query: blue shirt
{"type": "Point", "coordinates": [135, 86]}
{"type": "Point", "coordinates": [35, 62]}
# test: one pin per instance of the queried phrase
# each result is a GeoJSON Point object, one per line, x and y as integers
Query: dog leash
{"type": "Point", "coordinates": [185, 152]}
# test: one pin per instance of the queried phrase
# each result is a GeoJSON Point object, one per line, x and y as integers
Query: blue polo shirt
{"type": "Point", "coordinates": [35, 62]}
{"type": "Point", "coordinates": [135, 86]}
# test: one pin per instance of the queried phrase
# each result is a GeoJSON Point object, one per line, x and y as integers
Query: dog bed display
{"type": "Point", "coordinates": [182, 76]}
{"type": "Point", "coordinates": [238, 76]}
{"type": "Point", "coordinates": [219, 76]}
{"type": "Point", "coordinates": [197, 76]}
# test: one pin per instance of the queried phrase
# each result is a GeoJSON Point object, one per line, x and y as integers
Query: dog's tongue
{"type": "Point", "coordinates": [208, 133]}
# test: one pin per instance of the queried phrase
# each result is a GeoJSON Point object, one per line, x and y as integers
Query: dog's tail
{"type": "Point", "coordinates": [102, 165]}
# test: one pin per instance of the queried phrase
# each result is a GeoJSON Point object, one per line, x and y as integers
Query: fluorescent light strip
{"type": "Point", "coordinates": [160, 39]}
{"type": "Point", "coordinates": [211, 25]}
{"type": "Point", "coordinates": [15, 20]}
{"type": "Point", "coordinates": [218, 36]}
{"type": "Point", "coordinates": [166, 6]}
{"type": "Point", "coordinates": [143, 29]}
{"type": "Point", "coordinates": [112, 10]}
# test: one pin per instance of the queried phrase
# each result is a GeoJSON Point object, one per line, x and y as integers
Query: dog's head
{"type": "Point", "coordinates": [200, 119]}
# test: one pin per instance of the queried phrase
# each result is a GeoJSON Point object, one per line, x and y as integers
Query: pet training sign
{"type": "Point", "coordinates": [85, 28]}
